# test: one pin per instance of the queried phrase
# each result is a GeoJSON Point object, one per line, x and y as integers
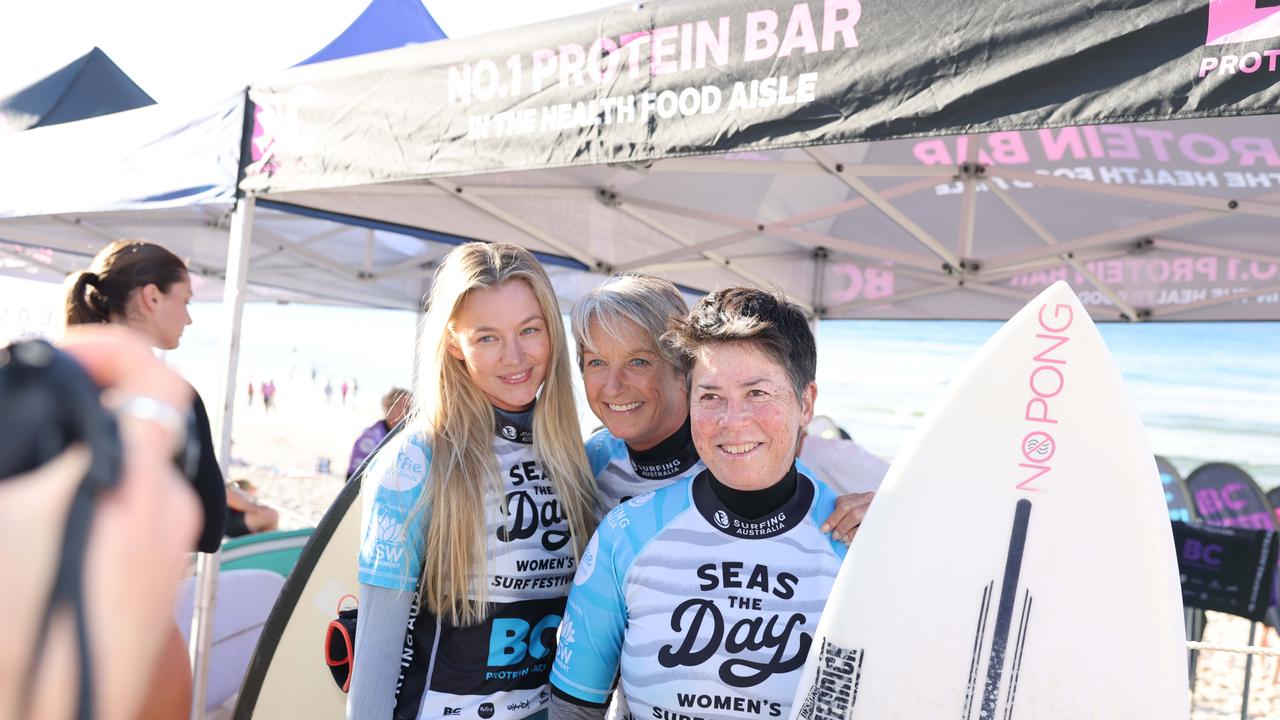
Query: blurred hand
{"type": "Point", "coordinates": [136, 549]}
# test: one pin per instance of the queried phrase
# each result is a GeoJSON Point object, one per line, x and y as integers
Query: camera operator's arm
{"type": "Point", "coordinates": [135, 551]}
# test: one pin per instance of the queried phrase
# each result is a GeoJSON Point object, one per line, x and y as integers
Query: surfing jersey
{"type": "Point", "coordinates": [497, 668]}
{"type": "Point", "coordinates": [708, 614]}
{"type": "Point", "coordinates": [622, 473]}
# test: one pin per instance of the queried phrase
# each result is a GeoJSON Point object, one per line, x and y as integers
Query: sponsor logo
{"type": "Point", "coordinates": [512, 640]}
{"type": "Point", "coordinates": [1201, 554]}
{"type": "Point", "coordinates": [509, 432]}
{"type": "Point", "coordinates": [410, 470]}
{"type": "Point", "coordinates": [485, 710]}
{"type": "Point", "coordinates": [722, 518]}
{"type": "Point", "coordinates": [389, 527]}
{"type": "Point", "coordinates": [587, 565]}
{"type": "Point", "coordinates": [452, 711]}
{"type": "Point", "coordinates": [522, 705]}
{"type": "Point", "coordinates": [1237, 21]}
{"type": "Point", "coordinates": [544, 695]}
{"type": "Point", "coordinates": [639, 500]}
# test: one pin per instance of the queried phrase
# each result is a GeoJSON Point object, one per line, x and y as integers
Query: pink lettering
{"type": "Point", "coordinates": [799, 33]}
{"type": "Point", "coordinates": [1024, 485]}
{"type": "Point", "coordinates": [762, 42]}
{"type": "Point", "coordinates": [1120, 142]}
{"type": "Point", "coordinates": [932, 152]}
{"type": "Point", "coordinates": [1057, 146]}
{"type": "Point", "coordinates": [1190, 143]}
{"type": "Point", "coordinates": [879, 283]}
{"type": "Point", "coordinates": [1157, 139]}
{"type": "Point", "coordinates": [1208, 65]}
{"type": "Point", "coordinates": [833, 23]}
{"type": "Point", "coordinates": [1208, 503]}
{"type": "Point", "coordinates": [1208, 267]}
{"type": "Point", "coordinates": [715, 44]}
{"type": "Point", "coordinates": [662, 48]}
{"type": "Point", "coordinates": [1043, 355]}
{"type": "Point", "coordinates": [1038, 372]}
{"type": "Point", "coordinates": [1057, 315]}
{"type": "Point", "coordinates": [1007, 148]}
{"type": "Point", "coordinates": [1230, 492]}
{"type": "Point", "coordinates": [1182, 269]}
{"type": "Point", "coordinates": [1043, 417]}
{"type": "Point", "coordinates": [1254, 149]}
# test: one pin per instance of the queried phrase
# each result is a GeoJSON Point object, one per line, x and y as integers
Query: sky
{"type": "Point", "coordinates": [179, 49]}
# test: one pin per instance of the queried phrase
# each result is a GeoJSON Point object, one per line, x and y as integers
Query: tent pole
{"type": "Point", "coordinates": [201, 638]}
{"type": "Point", "coordinates": [425, 286]}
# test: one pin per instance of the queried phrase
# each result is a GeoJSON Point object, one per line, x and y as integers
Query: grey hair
{"type": "Point", "coordinates": [648, 301]}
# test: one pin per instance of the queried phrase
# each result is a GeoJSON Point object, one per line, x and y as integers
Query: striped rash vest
{"type": "Point", "coordinates": [707, 614]}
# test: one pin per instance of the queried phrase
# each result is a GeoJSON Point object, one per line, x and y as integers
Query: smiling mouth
{"type": "Point", "coordinates": [739, 449]}
{"type": "Point", "coordinates": [516, 378]}
{"type": "Point", "coordinates": [628, 407]}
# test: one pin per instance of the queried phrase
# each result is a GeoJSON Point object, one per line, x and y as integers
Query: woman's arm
{"type": "Point", "coordinates": [383, 620]}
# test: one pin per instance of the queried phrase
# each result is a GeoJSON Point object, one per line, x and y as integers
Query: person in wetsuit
{"type": "Point", "coordinates": [145, 287]}
{"type": "Point", "coordinates": [475, 513]}
{"type": "Point", "coordinates": [705, 594]}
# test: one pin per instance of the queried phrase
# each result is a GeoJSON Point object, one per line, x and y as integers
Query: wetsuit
{"type": "Point", "coordinates": [208, 483]}
{"type": "Point", "coordinates": [707, 603]}
{"type": "Point", "coordinates": [428, 668]}
{"type": "Point", "coordinates": [622, 473]}
{"type": "Point", "coordinates": [366, 443]}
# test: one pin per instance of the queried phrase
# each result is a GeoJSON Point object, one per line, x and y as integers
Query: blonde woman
{"type": "Point", "coordinates": [475, 514]}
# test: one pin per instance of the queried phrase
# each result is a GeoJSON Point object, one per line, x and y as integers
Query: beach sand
{"type": "Point", "coordinates": [279, 452]}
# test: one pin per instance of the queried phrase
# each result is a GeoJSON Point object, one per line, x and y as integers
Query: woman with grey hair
{"type": "Point", "coordinates": [705, 594]}
{"type": "Point", "coordinates": [637, 386]}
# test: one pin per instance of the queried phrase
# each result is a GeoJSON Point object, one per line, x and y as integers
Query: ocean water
{"type": "Point", "coordinates": [1205, 391]}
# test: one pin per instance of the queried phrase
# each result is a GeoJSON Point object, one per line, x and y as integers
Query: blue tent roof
{"type": "Point", "coordinates": [385, 24]}
{"type": "Point", "coordinates": [89, 86]}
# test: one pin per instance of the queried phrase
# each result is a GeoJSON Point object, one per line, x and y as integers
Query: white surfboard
{"type": "Point", "coordinates": [288, 677]}
{"type": "Point", "coordinates": [1018, 561]}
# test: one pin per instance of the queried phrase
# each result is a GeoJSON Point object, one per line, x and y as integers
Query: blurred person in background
{"type": "Point", "coordinates": [146, 288]}
{"type": "Point", "coordinates": [395, 405]}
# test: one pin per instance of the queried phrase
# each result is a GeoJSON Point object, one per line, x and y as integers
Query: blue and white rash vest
{"type": "Point", "coordinates": [622, 473]}
{"type": "Point", "coordinates": [498, 668]}
{"type": "Point", "coordinates": [707, 614]}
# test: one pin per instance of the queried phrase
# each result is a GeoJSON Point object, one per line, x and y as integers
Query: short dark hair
{"type": "Point", "coordinates": [767, 320]}
{"type": "Point", "coordinates": [101, 293]}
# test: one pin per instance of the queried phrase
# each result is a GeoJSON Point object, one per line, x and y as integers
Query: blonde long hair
{"type": "Point", "coordinates": [459, 421]}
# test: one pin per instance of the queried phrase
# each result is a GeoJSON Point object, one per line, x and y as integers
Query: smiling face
{"type": "Point", "coordinates": [746, 417]}
{"type": "Point", "coordinates": [637, 394]}
{"type": "Point", "coordinates": [500, 335]}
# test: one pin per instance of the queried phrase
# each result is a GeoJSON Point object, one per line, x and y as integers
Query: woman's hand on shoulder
{"type": "Point", "coordinates": [844, 520]}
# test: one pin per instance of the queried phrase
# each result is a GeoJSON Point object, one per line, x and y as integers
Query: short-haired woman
{"type": "Point", "coordinates": [705, 593]}
{"type": "Point", "coordinates": [477, 511]}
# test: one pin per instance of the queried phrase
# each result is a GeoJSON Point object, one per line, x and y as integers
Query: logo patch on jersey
{"type": "Point", "coordinates": [389, 527]}
{"type": "Point", "coordinates": [722, 518]}
{"type": "Point", "coordinates": [410, 470]}
{"type": "Point", "coordinates": [639, 500]}
{"type": "Point", "coordinates": [509, 432]}
{"type": "Point", "coordinates": [587, 565]}
{"type": "Point", "coordinates": [485, 710]}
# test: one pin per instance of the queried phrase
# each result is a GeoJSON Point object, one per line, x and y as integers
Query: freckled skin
{"type": "Point", "coordinates": [627, 370]}
{"type": "Point", "coordinates": [746, 417]}
{"type": "Point", "coordinates": [501, 338]}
